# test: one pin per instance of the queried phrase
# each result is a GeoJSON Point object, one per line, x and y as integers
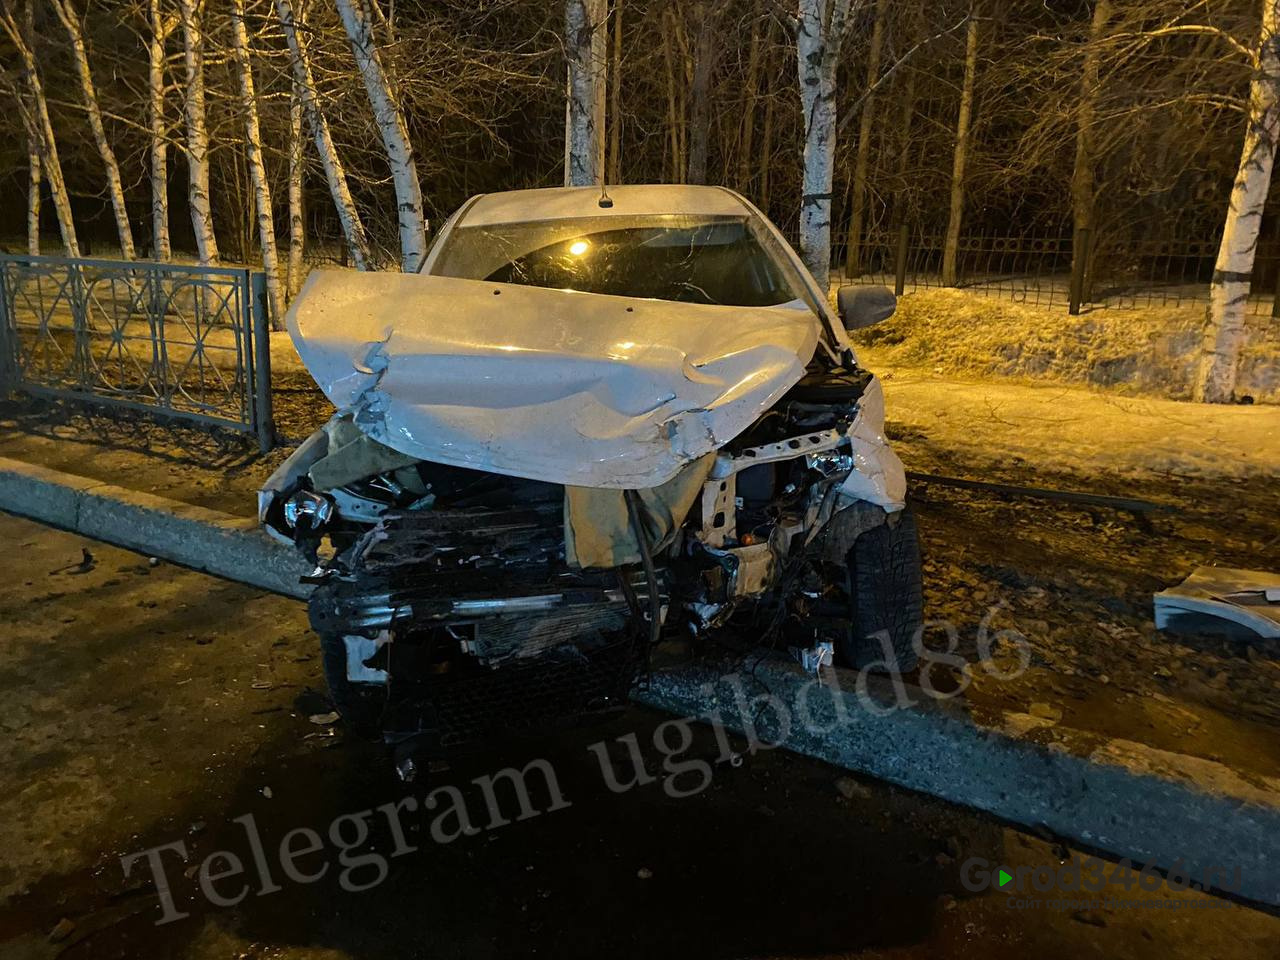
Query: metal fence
{"type": "Point", "coordinates": [185, 341]}
{"type": "Point", "coordinates": [1043, 271]}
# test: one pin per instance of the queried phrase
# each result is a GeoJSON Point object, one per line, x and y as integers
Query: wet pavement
{"type": "Point", "coordinates": [145, 705]}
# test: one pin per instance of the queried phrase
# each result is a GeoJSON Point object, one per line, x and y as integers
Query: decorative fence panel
{"type": "Point", "coordinates": [188, 342]}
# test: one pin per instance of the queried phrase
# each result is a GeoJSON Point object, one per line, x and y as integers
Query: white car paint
{"type": "Point", "coordinates": [573, 388]}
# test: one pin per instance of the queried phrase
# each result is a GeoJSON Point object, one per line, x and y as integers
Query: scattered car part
{"type": "Point", "coordinates": [1246, 598]}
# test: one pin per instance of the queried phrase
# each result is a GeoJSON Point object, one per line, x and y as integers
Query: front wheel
{"type": "Point", "coordinates": [886, 596]}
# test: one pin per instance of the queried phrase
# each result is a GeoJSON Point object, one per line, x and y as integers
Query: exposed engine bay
{"type": "Point", "coordinates": [457, 603]}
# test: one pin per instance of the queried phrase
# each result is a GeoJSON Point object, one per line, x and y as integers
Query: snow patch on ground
{"type": "Point", "coordinates": [971, 427]}
{"type": "Point", "coordinates": [1152, 350]}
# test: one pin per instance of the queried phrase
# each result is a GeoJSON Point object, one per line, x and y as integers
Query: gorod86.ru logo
{"type": "Point", "coordinates": [1091, 874]}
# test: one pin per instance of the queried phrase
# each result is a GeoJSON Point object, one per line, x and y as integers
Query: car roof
{"type": "Point", "coordinates": [573, 203]}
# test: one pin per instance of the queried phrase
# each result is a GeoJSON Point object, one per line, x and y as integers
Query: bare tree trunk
{"type": "Point", "coordinates": [820, 30]}
{"type": "Point", "coordinates": [257, 168]}
{"type": "Point", "coordinates": [33, 153]}
{"type": "Point", "coordinates": [297, 236]}
{"type": "Point", "coordinates": [1082, 175]}
{"type": "Point", "coordinates": [951, 246]}
{"type": "Point", "coordinates": [586, 34]}
{"type": "Point", "coordinates": [747, 162]}
{"type": "Point", "coordinates": [115, 187]}
{"type": "Point", "coordinates": [600, 67]}
{"type": "Point", "coordinates": [904, 148]}
{"type": "Point", "coordinates": [352, 228]}
{"type": "Point", "coordinates": [395, 134]}
{"type": "Point", "coordinates": [704, 62]}
{"type": "Point", "coordinates": [858, 188]}
{"type": "Point", "coordinates": [33, 195]}
{"type": "Point", "coordinates": [673, 133]}
{"type": "Point", "coordinates": [766, 151]}
{"type": "Point", "coordinates": [197, 133]}
{"type": "Point", "coordinates": [615, 99]}
{"type": "Point", "coordinates": [675, 98]}
{"type": "Point", "coordinates": [42, 129]}
{"type": "Point", "coordinates": [161, 27]}
{"type": "Point", "coordinates": [1229, 294]}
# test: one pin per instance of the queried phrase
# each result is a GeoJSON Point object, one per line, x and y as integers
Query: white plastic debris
{"type": "Point", "coordinates": [1249, 598]}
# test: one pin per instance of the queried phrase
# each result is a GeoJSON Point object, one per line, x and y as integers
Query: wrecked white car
{"type": "Point", "coordinates": [591, 423]}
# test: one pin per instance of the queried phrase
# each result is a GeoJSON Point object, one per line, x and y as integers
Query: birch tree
{"type": "Point", "coordinates": [257, 167]}
{"type": "Point", "coordinates": [335, 174]}
{"type": "Point", "coordinates": [190, 14]}
{"type": "Point", "coordinates": [1229, 292]}
{"type": "Point", "coordinates": [951, 244]}
{"type": "Point", "coordinates": [297, 235]}
{"type": "Point", "coordinates": [586, 34]}
{"type": "Point", "coordinates": [33, 193]}
{"type": "Point", "coordinates": [161, 27]}
{"type": "Point", "coordinates": [70, 19]}
{"type": "Point", "coordinates": [41, 127]}
{"type": "Point", "coordinates": [33, 149]}
{"type": "Point", "coordinates": [819, 29]}
{"type": "Point", "coordinates": [395, 134]}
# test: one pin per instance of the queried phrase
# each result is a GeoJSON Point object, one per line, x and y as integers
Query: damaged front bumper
{"type": "Point", "coordinates": [476, 604]}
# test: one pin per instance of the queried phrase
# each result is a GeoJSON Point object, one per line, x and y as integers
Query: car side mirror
{"type": "Point", "coordinates": [861, 306]}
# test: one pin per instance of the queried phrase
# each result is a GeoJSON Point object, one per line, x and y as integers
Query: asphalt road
{"type": "Point", "coordinates": [146, 705]}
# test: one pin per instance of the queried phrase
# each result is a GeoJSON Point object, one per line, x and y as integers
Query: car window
{"type": "Point", "coordinates": [690, 259]}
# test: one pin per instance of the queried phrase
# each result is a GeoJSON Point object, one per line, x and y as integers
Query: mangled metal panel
{"type": "Point", "coordinates": [1249, 598]}
{"type": "Point", "coordinates": [555, 385]}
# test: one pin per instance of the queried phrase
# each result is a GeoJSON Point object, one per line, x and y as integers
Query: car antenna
{"type": "Point", "coordinates": [605, 200]}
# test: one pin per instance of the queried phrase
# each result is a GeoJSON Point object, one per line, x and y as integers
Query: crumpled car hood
{"type": "Point", "coordinates": [573, 388]}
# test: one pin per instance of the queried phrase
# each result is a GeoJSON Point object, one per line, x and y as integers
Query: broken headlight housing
{"type": "Point", "coordinates": [831, 463]}
{"type": "Point", "coordinates": [307, 511]}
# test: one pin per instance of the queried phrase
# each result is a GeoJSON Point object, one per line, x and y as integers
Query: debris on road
{"type": "Point", "coordinates": [1247, 598]}
{"type": "Point", "coordinates": [850, 788]}
{"type": "Point", "coordinates": [1045, 711]}
{"type": "Point", "coordinates": [86, 564]}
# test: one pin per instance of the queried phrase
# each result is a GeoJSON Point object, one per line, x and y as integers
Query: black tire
{"type": "Point", "coordinates": [886, 596]}
{"type": "Point", "coordinates": [359, 704]}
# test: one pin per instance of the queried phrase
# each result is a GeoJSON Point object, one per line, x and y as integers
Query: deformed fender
{"type": "Point", "coordinates": [877, 476]}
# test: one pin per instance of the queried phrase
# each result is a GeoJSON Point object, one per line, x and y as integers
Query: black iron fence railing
{"type": "Point", "coordinates": [1044, 271]}
{"type": "Point", "coordinates": [185, 341]}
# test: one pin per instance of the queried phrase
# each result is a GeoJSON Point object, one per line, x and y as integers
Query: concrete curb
{"type": "Point", "coordinates": [1119, 796]}
{"type": "Point", "coordinates": [196, 537]}
{"type": "Point", "coordinates": [1183, 814]}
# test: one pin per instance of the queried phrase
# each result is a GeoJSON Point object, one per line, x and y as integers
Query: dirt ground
{"type": "Point", "coordinates": [144, 705]}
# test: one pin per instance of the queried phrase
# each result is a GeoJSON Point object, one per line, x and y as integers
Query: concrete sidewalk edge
{"type": "Point", "coordinates": [1119, 796]}
{"type": "Point", "coordinates": [192, 536]}
{"type": "Point", "coordinates": [1183, 814]}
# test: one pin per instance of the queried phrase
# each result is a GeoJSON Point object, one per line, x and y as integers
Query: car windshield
{"type": "Point", "coordinates": [694, 259]}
